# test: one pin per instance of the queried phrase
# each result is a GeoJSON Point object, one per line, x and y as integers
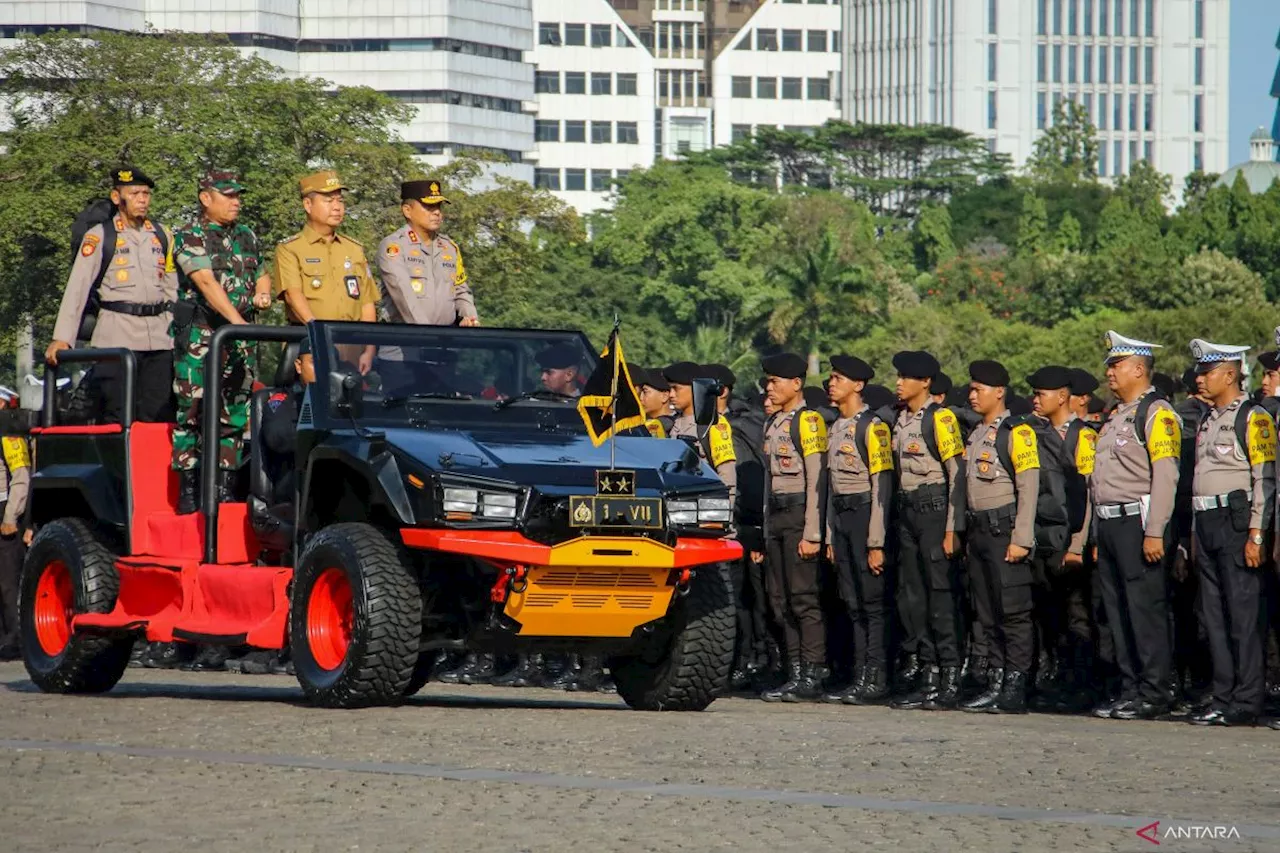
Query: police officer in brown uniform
{"type": "Point", "coordinates": [1135, 480]}
{"type": "Point", "coordinates": [928, 453]}
{"type": "Point", "coordinates": [15, 484]}
{"type": "Point", "coordinates": [321, 274]}
{"type": "Point", "coordinates": [860, 476]}
{"type": "Point", "coordinates": [795, 446]}
{"type": "Point", "coordinates": [1233, 495]}
{"type": "Point", "coordinates": [655, 398]}
{"type": "Point", "coordinates": [135, 298]}
{"type": "Point", "coordinates": [1002, 483]}
{"type": "Point", "coordinates": [715, 446]}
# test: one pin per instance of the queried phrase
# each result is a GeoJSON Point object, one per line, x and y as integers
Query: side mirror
{"type": "Point", "coordinates": [344, 391]}
{"type": "Point", "coordinates": [705, 394]}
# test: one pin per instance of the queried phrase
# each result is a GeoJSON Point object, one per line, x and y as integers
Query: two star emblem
{"type": "Point", "coordinates": [615, 482]}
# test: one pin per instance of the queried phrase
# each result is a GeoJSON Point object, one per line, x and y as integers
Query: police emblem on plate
{"type": "Point", "coordinates": [582, 513]}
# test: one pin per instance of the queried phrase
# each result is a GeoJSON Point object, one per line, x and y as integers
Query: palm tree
{"type": "Point", "coordinates": [717, 345]}
{"type": "Point", "coordinates": [811, 282]}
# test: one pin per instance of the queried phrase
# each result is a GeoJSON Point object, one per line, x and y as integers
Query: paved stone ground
{"type": "Point", "coordinates": [176, 761]}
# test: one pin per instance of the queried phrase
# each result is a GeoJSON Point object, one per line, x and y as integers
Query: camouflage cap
{"type": "Point", "coordinates": [222, 181]}
{"type": "Point", "coordinates": [321, 182]}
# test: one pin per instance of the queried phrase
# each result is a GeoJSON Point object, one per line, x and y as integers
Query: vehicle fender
{"type": "Point", "coordinates": [328, 467]}
{"type": "Point", "coordinates": [62, 490]}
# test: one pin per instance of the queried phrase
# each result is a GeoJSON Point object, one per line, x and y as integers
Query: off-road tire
{"type": "Point", "coordinates": [688, 665]}
{"type": "Point", "coordinates": [88, 663]}
{"type": "Point", "coordinates": [386, 619]}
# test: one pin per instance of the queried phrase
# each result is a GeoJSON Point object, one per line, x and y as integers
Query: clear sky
{"type": "Point", "coordinates": [1254, 27]}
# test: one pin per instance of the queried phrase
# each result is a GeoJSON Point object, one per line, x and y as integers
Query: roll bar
{"type": "Point", "coordinates": [127, 360]}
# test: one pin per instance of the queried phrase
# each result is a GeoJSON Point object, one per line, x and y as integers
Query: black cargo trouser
{"type": "Point", "coordinates": [1001, 590]}
{"type": "Point", "coordinates": [793, 585]}
{"type": "Point", "coordinates": [862, 592]}
{"type": "Point", "coordinates": [1232, 605]}
{"type": "Point", "coordinates": [1063, 610]}
{"type": "Point", "coordinates": [11, 553]}
{"type": "Point", "coordinates": [929, 590]}
{"type": "Point", "coordinates": [153, 399]}
{"type": "Point", "coordinates": [1135, 595]}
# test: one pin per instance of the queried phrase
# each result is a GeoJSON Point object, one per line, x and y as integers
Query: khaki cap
{"type": "Point", "coordinates": [321, 182]}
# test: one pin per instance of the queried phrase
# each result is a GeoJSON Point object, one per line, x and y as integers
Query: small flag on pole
{"type": "Point", "coordinates": [609, 402]}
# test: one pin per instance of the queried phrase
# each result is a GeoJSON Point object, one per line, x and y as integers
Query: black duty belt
{"type": "Point", "coordinates": [996, 521]}
{"type": "Point", "coordinates": [853, 501]}
{"type": "Point", "coordinates": [786, 501]}
{"type": "Point", "coordinates": [137, 309]}
{"type": "Point", "coordinates": [924, 499]}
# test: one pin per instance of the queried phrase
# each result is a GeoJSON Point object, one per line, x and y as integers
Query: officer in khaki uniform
{"type": "Point", "coordinates": [1135, 480]}
{"type": "Point", "coordinates": [928, 451]}
{"type": "Point", "coordinates": [717, 447]}
{"type": "Point", "coordinates": [135, 298]}
{"type": "Point", "coordinates": [860, 477]}
{"type": "Point", "coordinates": [1000, 503]}
{"type": "Point", "coordinates": [322, 275]}
{"type": "Point", "coordinates": [1233, 497]}
{"type": "Point", "coordinates": [795, 447]}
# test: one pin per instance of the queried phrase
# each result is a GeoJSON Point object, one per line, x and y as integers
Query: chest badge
{"type": "Point", "coordinates": [346, 265]}
{"type": "Point", "coordinates": [353, 286]}
{"type": "Point", "coordinates": [393, 250]}
{"type": "Point", "coordinates": [416, 284]}
{"type": "Point", "coordinates": [122, 275]}
{"type": "Point", "coordinates": [984, 467]}
{"type": "Point", "coordinates": [315, 282]}
{"type": "Point", "coordinates": [913, 448]}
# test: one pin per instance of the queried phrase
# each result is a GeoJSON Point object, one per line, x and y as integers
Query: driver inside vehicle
{"type": "Point", "coordinates": [560, 365]}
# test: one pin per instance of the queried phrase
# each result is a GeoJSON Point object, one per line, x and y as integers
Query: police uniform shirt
{"type": "Point", "coordinates": [140, 273]}
{"type": "Point", "coordinates": [917, 467]}
{"type": "Point", "coordinates": [720, 437]}
{"type": "Point", "coordinates": [423, 282]}
{"type": "Point", "coordinates": [988, 485]}
{"type": "Point", "coordinates": [797, 470]}
{"type": "Point", "coordinates": [1124, 471]}
{"type": "Point", "coordinates": [1082, 456]}
{"type": "Point", "coordinates": [848, 474]}
{"type": "Point", "coordinates": [15, 478]}
{"type": "Point", "coordinates": [1222, 466]}
{"type": "Point", "coordinates": [330, 272]}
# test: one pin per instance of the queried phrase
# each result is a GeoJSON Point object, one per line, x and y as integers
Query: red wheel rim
{"type": "Point", "coordinates": [54, 607]}
{"type": "Point", "coordinates": [329, 619]}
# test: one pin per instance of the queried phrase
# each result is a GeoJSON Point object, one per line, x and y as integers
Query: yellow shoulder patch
{"type": "Point", "coordinates": [946, 430]}
{"type": "Point", "coordinates": [720, 438]}
{"type": "Point", "coordinates": [1164, 435]}
{"type": "Point", "coordinates": [1262, 438]}
{"type": "Point", "coordinates": [15, 453]}
{"type": "Point", "coordinates": [1024, 448]}
{"type": "Point", "coordinates": [655, 428]}
{"type": "Point", "coordinates": [879, 448]}
{"type": "Point", "coordinates": [813, 433]}
{"type": "Point", "coordinates": [1086, 448]}
{"type": "Point", "coordinates": [460, 277]}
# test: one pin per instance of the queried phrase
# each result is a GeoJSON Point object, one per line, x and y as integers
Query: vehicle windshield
{"type": "Point", "coordinates": [446, 373]}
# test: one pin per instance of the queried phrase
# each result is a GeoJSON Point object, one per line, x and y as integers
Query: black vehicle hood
{"type": "Point", "coordinates": [552, 459]}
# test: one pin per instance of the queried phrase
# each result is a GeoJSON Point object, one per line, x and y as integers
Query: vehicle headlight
{"type": "Point", "coordinates": [466, 504]}
{"type": "Point", "coordinates": [715, 512]}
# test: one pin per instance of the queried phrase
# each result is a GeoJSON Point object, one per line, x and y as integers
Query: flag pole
{"type": "Point", "coordinates": [613, 396]}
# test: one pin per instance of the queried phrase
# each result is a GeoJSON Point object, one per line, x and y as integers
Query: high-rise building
{"type": "Point", "coordinates": [1152, 74]}
{"type": "Point", "coordinates": [461, 63]}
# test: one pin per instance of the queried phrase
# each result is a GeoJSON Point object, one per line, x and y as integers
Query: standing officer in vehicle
{"type": "Point", "coordinates": [323, 275]}
{"type": "Point", "coordinates": [135, 298]}
{"type": "Point", "coordinates": [795, 445]}
{"type": "Point", "coordinates": [223, 280]}
{"type": "Point", "coordinates": [860, 466]}
{"type": "Point", "coordinates": [716, 445]}
{"type": "Point", "coordinates": [1233, 496]}
{"type": "Point", "coordinates": [1002, 484]}
{"type": "Point", "coordinates": [1135, 481]}
{"type": "Point", "coordinates": [928, 454]}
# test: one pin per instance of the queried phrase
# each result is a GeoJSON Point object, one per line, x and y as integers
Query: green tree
{"type": "Point", "coordinates": [1146, 190]}
{"type": "Point", "coordinates": [1033, 226]}
{"type": "Point", "coordinates": [1068, 237]}
{"type": "Point", "coordinates": [932, 237]}
{"type": "Point", "coordinates": [1067, 151]}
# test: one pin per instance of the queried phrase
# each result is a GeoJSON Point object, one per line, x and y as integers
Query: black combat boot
{"type": "Point", "coordinates": [927, 690]}
{"type": "Point", "coordinates": [974, 678]}
{"type": "Point", "coordinates": [481, 672]}
{"type": "Point", "coordinates": [987, 700]}
{"type": "Point", "coordinates": [470, 665]}
{"type": "Point", "coordinates": [947, 698]}
{"type": "Point", "coordinates": [839, 697]}
{"type": "Point", "coordinates": [227, 487]}
{"type": "Point", "coordinates": [138, 656]}
{"type": "Point", "coordinates": [566, 679]}
{"type": "Point", "coordinates": [590, 676]}
{"type": "Point", "coordinates": [795, 673]}
{"type": "Point", "coordinates": [523, 674]}
{"type": "Point", "coordinates": [188, 491]}
{"type": "Point", "coordinates": [208, 659]}
{"type": "Point", "coordinates": [809, 687]}
{"type": "Point", "coordinates": [162, 656]}
{"type": "Point", "coordinates": [875, 687]}
{"type": "Point", "coordinates": [1013, 695]}
{"type": "Point", "coordinates": [909, 674]}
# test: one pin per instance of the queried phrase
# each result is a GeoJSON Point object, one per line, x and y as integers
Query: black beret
{"type": "Point", "coordinates": [878, 396]}
{"type": "Point", "coordinates": [916, 365]}
{"type": "Point", "coordinates": [1189, 381]}
{"type": "Point", "coordinates": [1270, 360]}
{"type": "Point", "coordinates": [941, 384]}
{"type": "Point", "coordinates": [682, 373]}
{"type": "Point", "coordinates": [1095, 404]}
{"type": "Point", "coordinates": [785, 365]}
{"type": "Point", "coordinates": [653, 378]}
{"type": "Point", "coordinates": [852, 367]}
{"type": "Point", "coordinates": [989, 373]}
{"type": "Point", "coordinates": [815, 398]}
{"type": "Point", "coordinates": [127, 176]}
{"type": "Point", "coordinates": [719, 373]}
{"type": "Point", "coordinates": [559, 357]}
{"type": "Point", "coordinates": [1164, 383]}
{"type": "Point", "coordinates": [1082, 382]}
{"type": "Point", "coordinates": [1018, 405]}
{"type": "Point", "coordinates": [958, 398]}
{"type": "Point", "coordinates": [1050, 378]}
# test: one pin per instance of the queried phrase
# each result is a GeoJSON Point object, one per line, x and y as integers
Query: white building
{"type": "Point", "coordinates": [460, 62]}
{"type": "Point", "coordinates": [1151, 73]}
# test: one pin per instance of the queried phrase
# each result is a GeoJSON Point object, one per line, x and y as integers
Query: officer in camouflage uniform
{"type": "Point", "coordinates": [223, 280]}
